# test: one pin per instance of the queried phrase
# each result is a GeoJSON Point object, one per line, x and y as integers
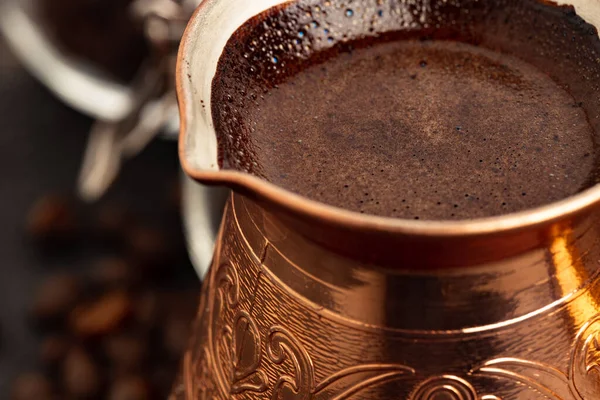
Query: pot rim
{"type": "Point", "coordinates": [534, 218]}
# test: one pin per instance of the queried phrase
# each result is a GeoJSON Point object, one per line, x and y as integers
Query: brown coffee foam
{"type": "Point", "coordinates": [420, 123]}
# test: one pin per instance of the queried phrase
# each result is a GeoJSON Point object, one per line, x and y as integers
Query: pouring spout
{"type": "Point", "coordinates": [204, 40]}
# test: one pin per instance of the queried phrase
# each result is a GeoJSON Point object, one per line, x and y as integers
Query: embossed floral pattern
{"type": "Point", "coordinates": [235, 355]}
{"type": "Point", "coordinates": [581, 382]}
{"type": "Point", "coordinates": [444, 387]}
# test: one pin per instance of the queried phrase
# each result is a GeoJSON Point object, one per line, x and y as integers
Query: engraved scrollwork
{"type": "Point", "coordinates": [549, 381]}
{"type": "Point", "coordinates": [225, 284]}
{"type": "Point", "coordinates": [593, 354]}
{"type": "Point", "coordinates": [354, 379]}
{"type": "Point", "coordinates": [239, 356]}
{"type": "Point", "coordinates": [228, 286]}
{"type": "Point", "coordinates": [447, 387]}
{"type": "Point", "coordinates": [584, 366]}
{"type": "Point", "coordinates": [246, 375]}
{"type": "Point", "coordinates": [236, 354]}
{"type": "Point", "coordinates": [581, 382]}
{"type": "Point", "coordinates": [282, 346]}
{"type": "Point", "coordinates": [201, 386]}
{"type": "Point", "coordinates": [235, 348]}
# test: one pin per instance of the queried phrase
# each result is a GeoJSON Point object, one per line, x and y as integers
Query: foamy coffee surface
{"type": "Point", "coordinates": [458, 110]}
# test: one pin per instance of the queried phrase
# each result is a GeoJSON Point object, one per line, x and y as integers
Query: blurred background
{"type": "Point", "coordinates": [96, 286]}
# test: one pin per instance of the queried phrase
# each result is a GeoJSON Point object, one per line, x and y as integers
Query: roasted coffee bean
{"type": "Point", "coordinates": [163, 377]}
{"type": "Point", "coordinates": [147, 309]}
{"type": "Point", "coordinates": [113, 272]}
{"type": "Point", "coordinates": [150, 248]}
{"type": "Point", "coordinates": [32, 386]}
{"type": "Point", "coordinates": [103, 316]}
{"type": "Point", "coordinates": [52, 220]}
{"type": "Point", "coordinates": [129, 388]}
{"type": "Point", "coordinates": [126, 352]}
{"type": "Point", "coordinates": [81, 377]}
{"type": "Point", "coordinates": [176, 334]}
{"type": "Point", "coordinates": [118, 334]}
{"type": "Point", "coordinates": [113, 221]}
{"type": "Point", "coordinates": [184, 303]}
{"type": "Point", "coordinates": [56, 297]}
{"type": "Point", "coordinates": [53, 350]}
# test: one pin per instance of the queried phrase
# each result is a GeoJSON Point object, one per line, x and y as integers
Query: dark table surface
{"type": "Point", "coordinates": [41, 146]}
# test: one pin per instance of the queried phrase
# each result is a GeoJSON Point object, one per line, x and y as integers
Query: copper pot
{"type": "Point", "coordinates": [308, 301]}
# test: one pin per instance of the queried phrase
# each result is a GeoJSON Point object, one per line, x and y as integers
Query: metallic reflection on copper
{"type": "Point", "coordinates": [308, 301]}
{"type": "Point", "coordinates": [283, 317]}
{"type": "Point", "coordinates": [571, 275]}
